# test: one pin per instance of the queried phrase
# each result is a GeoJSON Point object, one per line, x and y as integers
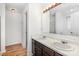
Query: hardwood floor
{"type": "Point", "coordinates": [0, 54]}
{"type": "Point", "coordinates": [15, 50]}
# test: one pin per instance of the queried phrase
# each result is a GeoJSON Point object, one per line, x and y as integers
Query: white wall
{"type": "Point", "coordinates": [34, 23]}
{"type": "Point", "coordinates": [35, 17]}
{"type": "Point", "coordinates": [46, 22]}
{"type": "Point", "coordinates": [24, 43]}
{"type": "Point", "coordinates": [34, 20]}
{"type": "Point", "coordinates": [2, 14]}
{"type": "Point", "coordinates": [13, 27]}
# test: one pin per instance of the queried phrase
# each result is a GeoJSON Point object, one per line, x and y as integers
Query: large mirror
{"type": "Point", "coordinates": [63, 19]}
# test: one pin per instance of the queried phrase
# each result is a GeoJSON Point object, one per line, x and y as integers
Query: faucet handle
{"type": "Point", "coordinates": [44, 36]}
{"type": "Point", "coordinates": [64, 42]}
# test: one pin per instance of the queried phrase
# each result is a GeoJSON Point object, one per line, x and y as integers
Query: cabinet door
{"type": "Point", "coordinates": [57, 54]}
{"type": "Point", "coordinates": [47, 51]}
{"type": "Point", "coordinates": [38, 51]}
{"type": "Point", "coordinates": [33, 47]}
{"type": "Point", "coordinates": [38, 48]}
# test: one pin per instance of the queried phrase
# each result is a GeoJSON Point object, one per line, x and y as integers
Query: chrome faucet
{"type": "Point", "coordinates": [64, 42]}
{"type": "Point", "coordinates": [44, 36]}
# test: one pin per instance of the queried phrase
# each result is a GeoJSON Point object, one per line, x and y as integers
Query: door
{"type": "Point", "coordinates": [25, 30]}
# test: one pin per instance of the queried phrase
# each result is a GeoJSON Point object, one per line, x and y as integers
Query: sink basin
{"type": "Point", "coordinates": [61, 46]}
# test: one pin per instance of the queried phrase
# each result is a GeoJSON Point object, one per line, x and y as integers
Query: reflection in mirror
{"type": "Point", "coordinates": [52, 23]}
{"type": "Point", "coordinates": [63, 19]}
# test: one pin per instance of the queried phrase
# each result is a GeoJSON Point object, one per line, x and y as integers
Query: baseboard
{"type": "Point", "coordinates": [13, 43]}
{"type": "Point", "coordinates": [29, 53]}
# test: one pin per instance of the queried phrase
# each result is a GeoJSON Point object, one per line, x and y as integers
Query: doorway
{"type": "Point", "coordinates": [0, 33]}
{"type": "Point", "coordinates": [26, 29]}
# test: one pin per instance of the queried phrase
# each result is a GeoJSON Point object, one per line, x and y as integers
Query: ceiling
{"type": "Point", "coordinates": [18, 6]}
{"type": "Point", "coordinates": [21, 6]}
{"type": "Point", "coordinates": [44, 5]}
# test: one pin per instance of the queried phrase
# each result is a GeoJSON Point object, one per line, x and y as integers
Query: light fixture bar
{"type": "Point", "coordinates": [50, 7]}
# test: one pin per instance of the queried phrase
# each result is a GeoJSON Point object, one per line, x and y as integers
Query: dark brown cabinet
{"type": "Point", "coordinates": [47, 51]}
{"type": "Point", "coordinates": [36, 48]}
{"type": "Point", "coordinates": [57, 54]}
{"type": "Point", "coordinates": [39, 49]}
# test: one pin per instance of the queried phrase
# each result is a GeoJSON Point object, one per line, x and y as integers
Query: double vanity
{"type": "Point", "coordinates": [55, 45]}
{"type": "Point", "coordinates": [60, 32]}
{"type": "Point", "coordinates": [40, 49]}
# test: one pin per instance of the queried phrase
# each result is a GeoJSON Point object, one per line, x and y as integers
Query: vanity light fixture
{"type": "Point", "coordinates": [50, 6]}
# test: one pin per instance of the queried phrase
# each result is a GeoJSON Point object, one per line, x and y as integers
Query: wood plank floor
{"type": "Point", "coordinates": [15, 50]}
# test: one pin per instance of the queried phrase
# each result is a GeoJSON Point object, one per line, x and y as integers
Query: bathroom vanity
{"type": "Point", "coordinates": [39, 49]}
{"type": "Point", "coordinates": [55, 45]}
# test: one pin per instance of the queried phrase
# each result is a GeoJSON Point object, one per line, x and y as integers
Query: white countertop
{"type": "Point", "coordinates": [49, 43]}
